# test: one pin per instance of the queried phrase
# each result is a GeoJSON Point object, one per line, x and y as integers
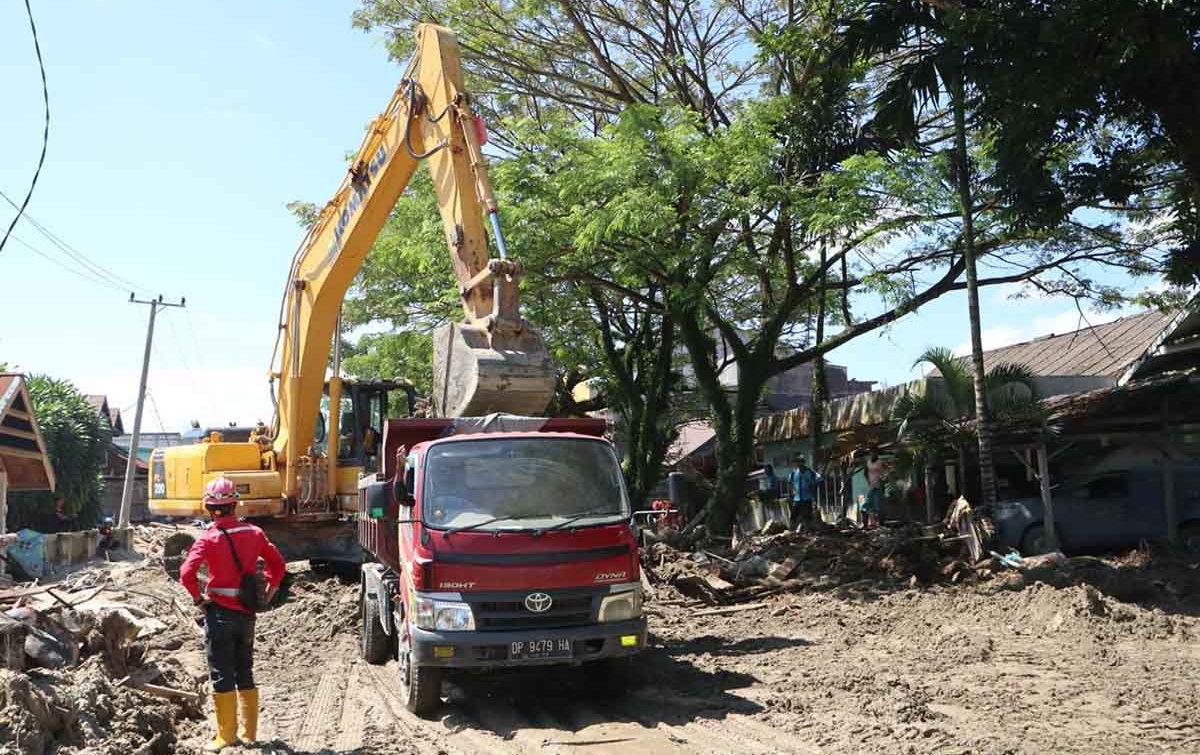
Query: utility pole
{"type": "Point", "coordinates": [131, 462]}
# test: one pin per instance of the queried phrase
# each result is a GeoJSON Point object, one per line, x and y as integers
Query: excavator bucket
{"type": "Point", "coordinates": [477, 373]}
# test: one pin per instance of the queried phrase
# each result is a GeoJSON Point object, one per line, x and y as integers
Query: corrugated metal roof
{"type": "Point", "coordinates": [1104, 350]}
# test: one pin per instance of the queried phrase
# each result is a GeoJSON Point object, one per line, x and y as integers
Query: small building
{"type": "Point", "coordinates": [1084, 362]}
{"type": "Point", "coordinates": [148, 441]}
{"type": "Point", "coordinates": [99, 402]}
{"type": "Point", "coordinates": [24, 463]}
{"type": "Point", "coordinates": [788, 390]}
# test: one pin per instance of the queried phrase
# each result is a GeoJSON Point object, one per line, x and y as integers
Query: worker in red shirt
{"type": "Point", "coordinates": [229, 625]}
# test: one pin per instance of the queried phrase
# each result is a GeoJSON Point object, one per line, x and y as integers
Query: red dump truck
{"type": "Point", "coordinates": [498, 542]}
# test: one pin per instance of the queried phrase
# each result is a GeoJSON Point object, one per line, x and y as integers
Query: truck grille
{"type": "Point", "coordinates": [565, 611]}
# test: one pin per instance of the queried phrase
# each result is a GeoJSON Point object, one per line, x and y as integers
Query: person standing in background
{"type": "Point", "coordinates": [804, 487]}
{"type": "Point", "coordinates": [768, 484]}
{"type": "Point", "coordinates": [875, 477]}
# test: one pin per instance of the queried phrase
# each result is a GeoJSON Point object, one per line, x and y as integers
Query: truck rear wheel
{"type": "Point", "coordinates": [420, 686]}
{"type": "Point", "coordinates": [375, 643]}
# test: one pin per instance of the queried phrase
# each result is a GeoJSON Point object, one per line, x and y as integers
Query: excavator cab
{"type": "Point", "coordinates": [366, 405]}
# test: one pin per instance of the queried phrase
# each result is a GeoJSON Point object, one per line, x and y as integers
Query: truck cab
{"type": "Point", "coordinates": [498, 548]}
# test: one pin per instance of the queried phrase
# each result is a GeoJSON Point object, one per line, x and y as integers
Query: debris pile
{"type": "Point", "coordinates": [311, 605]}
{"type": "Point", "coordinates": [93, 664]}
{"type": "Point", "coordinates": [823, 560]}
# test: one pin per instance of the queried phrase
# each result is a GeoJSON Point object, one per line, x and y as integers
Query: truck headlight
{"type": "Point", "coordinates": [443, 616]}
{"type": "Point", "coordinates": [622, 606]}
{"type": "Point", "coordinates": [453, 617]}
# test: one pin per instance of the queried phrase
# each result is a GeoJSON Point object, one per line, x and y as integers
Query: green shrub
{"type": "Point", "coordinates": [77, 440]}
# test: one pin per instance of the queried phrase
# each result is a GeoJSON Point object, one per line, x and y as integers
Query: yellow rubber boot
{"type": "Point", "coordinates": [248, 710]}
{"type": "Point", "coordinates": [225, 709]}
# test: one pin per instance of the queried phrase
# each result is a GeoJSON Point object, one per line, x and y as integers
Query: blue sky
{"type": "Point", "coordinates": [179, 131]}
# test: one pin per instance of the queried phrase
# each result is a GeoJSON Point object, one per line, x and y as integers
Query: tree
{"type": "Point", "coordinates": [934, 83]}
{"type": "Point", "coordinates": [942, 420]}
{"type": "Point", "coordinates": [77, 441]}
{"type": "Point", "coordinates": [708, 151]}
{"type": "Point", "coordinates": [1119, 75]}
{"type": "Point", "coordinates": [931, 70]}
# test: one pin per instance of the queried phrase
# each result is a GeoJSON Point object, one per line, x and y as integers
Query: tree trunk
{"type": "Point", "coordinates": [819, 388]}
{"type": "Point", "coordinates": [643, 385]}
{"type": "Point", "coordinates": [733, 423]}
{"type": "Point", "coordinates": [987, 470]}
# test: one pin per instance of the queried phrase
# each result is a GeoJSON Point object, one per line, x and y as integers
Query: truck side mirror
{"type": "Point", "coordinates": [402, 488]}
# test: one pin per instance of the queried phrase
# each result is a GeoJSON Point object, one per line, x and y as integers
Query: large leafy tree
{"type": "Point", "coordinates": [707, 166]}
{"type": "Point", "coordinates": [77, 440]}
{"type": "Point", "coordinates": [1119, 75]}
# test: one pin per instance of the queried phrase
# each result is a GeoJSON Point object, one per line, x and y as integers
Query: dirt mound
{"type": "Point", "coordinates": [314, 605]}
{"type": "Point", "coordinates": [81, 712]}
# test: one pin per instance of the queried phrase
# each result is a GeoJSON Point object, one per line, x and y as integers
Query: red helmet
{"type": "Point", "coordinates": [220, 492]}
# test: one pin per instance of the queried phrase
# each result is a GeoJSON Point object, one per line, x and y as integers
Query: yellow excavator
{"type": "Point", "coordinates": [298, 478]}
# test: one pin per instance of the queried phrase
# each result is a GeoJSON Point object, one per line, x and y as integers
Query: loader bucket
{"type": "Point", "coordinates": [476, 373]}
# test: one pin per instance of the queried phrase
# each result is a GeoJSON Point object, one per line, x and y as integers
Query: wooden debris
{"type": "Point", "coordinates": [169, 693]}
{"type": "Point", "coordinates": [647, 588]}
{"type": "Point", "coordinates": [784, 570]}
{"type": "Point", "coordinates": [730, 609]}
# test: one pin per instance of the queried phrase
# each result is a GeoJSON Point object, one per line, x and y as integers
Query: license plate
{"type": "Point", "coordinates": [539, 648]}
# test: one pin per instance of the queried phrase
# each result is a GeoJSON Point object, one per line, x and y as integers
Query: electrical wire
{"type": "Point", "coordinates": [45, 128]}
{"type": "Point", "coordinates": [154, 405]}
{"type": "Point", "coordinates": [87, 276]}
{"type": "Point", "coordinates": [203, 395]}
{"type": "Point", "coordinates": [116, 281]}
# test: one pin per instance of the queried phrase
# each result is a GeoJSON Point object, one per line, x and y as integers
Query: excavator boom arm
{"type": "Point", "coordinates": [428, 118]}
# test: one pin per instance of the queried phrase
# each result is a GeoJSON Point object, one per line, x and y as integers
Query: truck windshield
{"type": "Point", "coordinates": [522, 483]}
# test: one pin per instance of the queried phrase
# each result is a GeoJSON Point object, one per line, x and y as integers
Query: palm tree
{"type": "Point", "coordinates": [929, 74]}
{"type": "Point", "coordinates": [942, 422]}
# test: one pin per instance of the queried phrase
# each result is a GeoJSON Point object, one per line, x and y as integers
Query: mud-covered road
{"type": "Point", "coordinates": [979, 669]}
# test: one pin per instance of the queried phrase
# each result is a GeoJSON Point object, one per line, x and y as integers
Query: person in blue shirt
{"type": "Point", "coordinates": [804, 491]}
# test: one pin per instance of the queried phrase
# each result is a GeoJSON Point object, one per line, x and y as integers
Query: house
{"type": "Point", "coordinates": [99, 402]}
{"type": "Point", "coordinates": [24, 463]}
{"type": "Point", "coordinates": [115, 462]}
{"type": "Point", "coordinates": [1090, 361]}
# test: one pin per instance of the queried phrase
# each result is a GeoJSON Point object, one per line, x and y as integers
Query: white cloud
{"type": "Point", "coordinates": [1066, 321]}
{"type": "Point", "coordinates": [994, 338]}
{"type": "Point", "coordinates": [1071, 320]}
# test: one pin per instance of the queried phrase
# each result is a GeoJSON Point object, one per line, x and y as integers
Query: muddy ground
{"type": "Point", "coordinates": [1013, 665]}
{"type": "Point", "coordinates": [1103, 659]}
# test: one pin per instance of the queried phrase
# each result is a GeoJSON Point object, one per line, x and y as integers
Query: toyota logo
{"type": "Point", "coordinates": [538, 602]}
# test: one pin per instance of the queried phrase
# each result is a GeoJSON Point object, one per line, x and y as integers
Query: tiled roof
{"type": "Point", "coordinates": [1104, 350]}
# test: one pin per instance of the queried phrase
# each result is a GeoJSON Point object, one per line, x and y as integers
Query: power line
{"type": "Point", "coordinates": [203, 395]}
{"type": "Point", "coordinates": [154, 405]}
{"type": "Point", "coordinates": [95, 268]}
{"type": "Point", "coordinates": [89, 277]}
{"type": "Point", "coordinates": [45, 128]}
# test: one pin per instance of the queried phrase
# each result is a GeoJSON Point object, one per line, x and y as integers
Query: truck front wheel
{"type": "Point", "coordinates": [375, 643]}
{"type": "Point", "coordinates": [420, 686]}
